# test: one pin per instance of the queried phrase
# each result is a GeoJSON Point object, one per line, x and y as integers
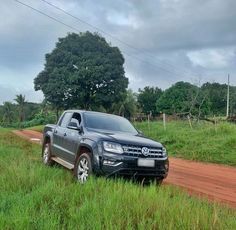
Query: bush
{"type": "Point", "coordinates": [40, 118]}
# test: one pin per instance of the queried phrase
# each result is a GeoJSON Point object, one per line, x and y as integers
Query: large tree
{"type": "Point", "coordinates": [83, 71]}
{"type": "Point", "coordinates": [183, 97]}
{"type": "Point", "coordinates": [147, 99]}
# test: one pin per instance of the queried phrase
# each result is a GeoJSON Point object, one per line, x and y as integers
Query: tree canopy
{"type": "Point", "coordinates": [178, 98]}
{"type": "Point", "coordinates": [147, 99]}
{"type": "Point", "coordinates": [83, 71]}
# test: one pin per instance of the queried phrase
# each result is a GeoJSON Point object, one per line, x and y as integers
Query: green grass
{"type": "Point", "coordinates": [33, 196]}
{"type": "Point", "coordinates": [204, 142]}
{"type": "Point", "coordinates": [38, 128]}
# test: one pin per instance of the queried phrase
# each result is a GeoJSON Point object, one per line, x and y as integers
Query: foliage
{"type": "Point", "coordinates": [7, 113]}
{"type": "Point", "coordinates": [205, 142]}
{"type": "Point", "coordinates": [147, 99]}
{"type": "Point", "coordinates": [83, 71]}
{"type": "Point", "coordinates": [40, 118]}
{"type": "Point", "coordinates": [128, 107]}
{"type": "Point", "coordinates": [217, 95]}
{"type": "Point", "coordinates": [186, 98]}
{"type": "Point", "coordinates": [37, 128]}
{"type": "Point", "coordinates": [20, 99]}
{"type": "Point", "coordinates": [33, 196]}
{"type": "Point", "coordinates": [179, 98]}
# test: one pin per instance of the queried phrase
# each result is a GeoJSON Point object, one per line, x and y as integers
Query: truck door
{"type": "Point", "coordinates": [72, 139]}
{"type": "Point", "coordinates": [59, 135]}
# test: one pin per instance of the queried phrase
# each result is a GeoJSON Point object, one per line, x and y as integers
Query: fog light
{"type": "Point", "coordinates": [112, 163]}
{"type": "Point", "coordinates": [107, 162]}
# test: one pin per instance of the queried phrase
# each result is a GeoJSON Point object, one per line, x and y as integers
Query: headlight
{"type": "Point", "coordinates": [112, 147]}
{"type": "Point", "coordinates": [164, 151]}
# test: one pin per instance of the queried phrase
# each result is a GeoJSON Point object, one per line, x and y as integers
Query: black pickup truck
{"type": "Point", "coordinates": [102, 144]}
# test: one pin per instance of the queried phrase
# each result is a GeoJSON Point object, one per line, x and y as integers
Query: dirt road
{"type": "Point", "coordinates": [215, 182]}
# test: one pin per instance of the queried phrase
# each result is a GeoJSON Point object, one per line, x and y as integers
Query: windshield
{"type": "Point", "coordinates": [108, 122]}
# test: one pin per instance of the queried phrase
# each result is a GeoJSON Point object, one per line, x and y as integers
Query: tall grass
{"type": "Point", "coordinates": [204, 142]}
{"type": "Point", "coordinates": [33, 196]}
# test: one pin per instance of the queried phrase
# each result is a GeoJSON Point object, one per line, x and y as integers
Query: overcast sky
{"type": "Point", "coordinates": [175, 40]}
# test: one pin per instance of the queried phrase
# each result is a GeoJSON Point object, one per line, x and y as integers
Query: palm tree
{"type": "Point", "coordinates": [8, 114]}
{"type": "Point", "coordinates": [20, 99]}
{"type": "Point", "coordinates": [126, 108]}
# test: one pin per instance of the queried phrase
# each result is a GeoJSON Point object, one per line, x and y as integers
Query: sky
{"type": "Point", "coordinates": [163, 41]}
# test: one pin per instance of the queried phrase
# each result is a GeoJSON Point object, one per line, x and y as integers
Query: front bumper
{"type": "Point", "coordinates": [115, 164]}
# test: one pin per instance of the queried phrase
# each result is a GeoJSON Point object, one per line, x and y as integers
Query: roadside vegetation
{"type": "Point", "coordinates": [203, 142]}
{"type": "Point", "coordinates": [37, 128]}
{"type": "Point", "coordinates": [33, 196]}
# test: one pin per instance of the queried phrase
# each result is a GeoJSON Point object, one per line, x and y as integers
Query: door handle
{"type": "Point", "coordinates": [64, 134]}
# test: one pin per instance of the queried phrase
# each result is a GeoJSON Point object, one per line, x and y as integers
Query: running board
{"type": "Point", "coordinates": [63, 162]}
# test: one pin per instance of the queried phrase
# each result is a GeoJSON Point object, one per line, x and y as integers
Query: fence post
{"type": "Point", "coordinates": [148, 123]}
{"type": "Point", "coordinates": [190, 123]}
{"type": "Point", "coordinates": [215, 123]}
{"type": "Point", "coordinates": [164, 121]}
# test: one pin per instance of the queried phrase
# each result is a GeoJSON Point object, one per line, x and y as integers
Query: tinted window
{"type": "Point", "coordinates": [65, 120]}
{"type": "Point", "coordinates": [108, 122]}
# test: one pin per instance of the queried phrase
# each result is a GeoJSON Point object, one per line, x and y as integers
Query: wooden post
{"type": "Point", "coordinates": [215, 123]}
{"type": "Point", "coordinates": [164, 121]}
{"type": "Point", "coordinates": [148, 124]}
{"type": "Point", "coordinates": [190, 123]}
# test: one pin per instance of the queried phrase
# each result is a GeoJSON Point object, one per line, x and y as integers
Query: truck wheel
{"type": "Point", "coordinates": [47, 155]}
{"type": "Point", "coordinates": [83, 168]}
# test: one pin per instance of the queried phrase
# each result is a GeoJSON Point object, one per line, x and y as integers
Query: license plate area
{"type": "Point", "coordinates": [146, 162]}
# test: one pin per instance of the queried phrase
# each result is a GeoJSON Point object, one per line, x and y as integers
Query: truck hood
{"type": "Point", "coordinates": [125, 138]}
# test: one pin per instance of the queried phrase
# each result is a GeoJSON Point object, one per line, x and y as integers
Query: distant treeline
{"type": "Point", "coordinates": [185, 98]}
{"type": "Point", "coordinates": [180, 99]}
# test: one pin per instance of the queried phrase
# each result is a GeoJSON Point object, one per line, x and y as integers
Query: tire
{"type": "Point", "coordinates": [83, 168]}
{"type": "Point", "coordinates": [47, 154]}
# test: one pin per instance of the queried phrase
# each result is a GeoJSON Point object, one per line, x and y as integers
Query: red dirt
{"type": "Point", "coordinates": [30, 135]}
{"type": "Point", "coordinates": [215, 182]}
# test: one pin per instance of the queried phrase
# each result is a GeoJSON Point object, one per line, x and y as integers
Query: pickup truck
{"type": "Point", "coordinates": [102, 144]}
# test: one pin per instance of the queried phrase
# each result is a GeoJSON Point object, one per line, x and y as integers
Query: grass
{"type": "Point", "coordinates": [38, 128]}
{"type": "Point", "coordinates": [204, 142]}
{"type": "Point", "coordinates": [33, 196]}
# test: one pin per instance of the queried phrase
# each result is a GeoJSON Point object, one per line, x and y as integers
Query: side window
{"type": "Point", "coordinates": [65, 120]}
{"type": "Point", "coordinates": [76, 118]}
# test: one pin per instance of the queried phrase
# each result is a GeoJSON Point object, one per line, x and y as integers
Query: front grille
{"type": "Point", "coordinates": [136, 151]}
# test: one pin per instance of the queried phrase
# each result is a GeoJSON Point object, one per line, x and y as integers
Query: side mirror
{"type": "Point", "coordinates": [73, 125]}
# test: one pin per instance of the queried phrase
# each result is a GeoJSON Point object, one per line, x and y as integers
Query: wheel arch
{"type": "Point", "coordinates": [84, 148]}
{"type": "Point", "coordinates": [47, 139]}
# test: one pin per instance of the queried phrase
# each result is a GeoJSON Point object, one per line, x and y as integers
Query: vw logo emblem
{"type": "Point", "coordinates": [145, 151]}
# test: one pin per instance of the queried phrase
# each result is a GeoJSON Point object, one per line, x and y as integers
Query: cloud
{"type": "Point", "coordinates": [9, 94]}
{"type": "Point", "coordinates": [212, 58]}
{"type": "Point", "coordinates": [175, 39]}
